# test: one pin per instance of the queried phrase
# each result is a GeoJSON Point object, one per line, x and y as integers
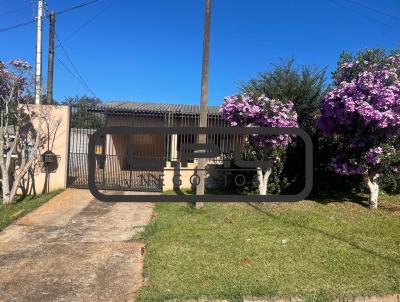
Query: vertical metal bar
{"type": "Point", "coordinates": [69, 146]}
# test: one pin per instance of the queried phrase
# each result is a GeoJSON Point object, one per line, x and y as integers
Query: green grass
{"type": "Point", "coordinates": [9, 213]}
{"type": "Point", "coordinates": [317, 251]}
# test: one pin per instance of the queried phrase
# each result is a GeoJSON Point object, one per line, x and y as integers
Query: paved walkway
{"type": "Point", "coordinates": [74, 248]}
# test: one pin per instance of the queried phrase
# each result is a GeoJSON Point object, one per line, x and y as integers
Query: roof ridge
{"type": "Point", "coordinates": [159, 107]}
{"type": "Point", "coordinates": [154, 103]}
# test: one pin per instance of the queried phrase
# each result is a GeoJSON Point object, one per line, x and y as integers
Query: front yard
{"type": "Point", "coordinates": [311, 250]}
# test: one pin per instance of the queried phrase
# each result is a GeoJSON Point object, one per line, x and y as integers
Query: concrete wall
{"type": "Point", "coordinates": [182, 175]}
{"type": "Point", "coordinates": [54, 126]}
{"type": "Point", "coordinates": [186, 177]}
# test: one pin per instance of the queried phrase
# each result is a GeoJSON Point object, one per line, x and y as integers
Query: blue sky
{"type": "Point", "coordinates": [151, 50]}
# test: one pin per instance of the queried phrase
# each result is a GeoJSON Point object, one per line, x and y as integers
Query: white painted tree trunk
{"type": "Point", "coordinates": [373, 186]}
{"type": "Point", "coordinates": [10, 190]}
{"type": "Point", "coordinates": [5, 186]}
{"type": "Point", "coordinates": [16, 113]}
{"type": "Point", "coordinates": [263, 180]}
{"type": "Point", "coordinates": [4, 166]}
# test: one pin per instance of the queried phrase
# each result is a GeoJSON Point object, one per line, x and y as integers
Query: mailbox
{"type": "Point", "coordinates": [49, 157]}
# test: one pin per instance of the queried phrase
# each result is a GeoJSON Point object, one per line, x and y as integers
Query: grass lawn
{"type": "Point", "coordinates": [9, 213]}
{"type": "Point", "coordinates": [312, 250]}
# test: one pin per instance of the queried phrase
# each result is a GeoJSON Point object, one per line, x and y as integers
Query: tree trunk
{"type": "Point", "coordinates": [263, 180]}
{"type": "Point", "coordinates": [373, 186]}
{"type": "Point", "coordinates": [21, 173]}
{"type": "Point", "coordinates": [5, 185]}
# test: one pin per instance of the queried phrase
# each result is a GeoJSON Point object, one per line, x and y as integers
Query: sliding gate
{"type": "Point", "coordinates": [112, 170]}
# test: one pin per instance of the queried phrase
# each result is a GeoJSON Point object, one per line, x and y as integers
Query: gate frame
{"type": "Point", "coordinates": [169, 118]}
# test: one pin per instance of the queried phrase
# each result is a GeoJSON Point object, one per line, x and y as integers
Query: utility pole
{"type": "Point", "coordinates": [50, 67]}
{"type": "Point", "coordinates": [204, 99]}
{"type": "Point", "coordinates": [38, 74]}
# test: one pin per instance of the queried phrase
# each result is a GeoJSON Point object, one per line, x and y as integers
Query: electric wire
{"type": "Point", "coordinates": [10, 12]}
{"type": "Point", "coordinates": [70, 71]}
{"type": "Point", "coordinates": [373, 9]}
{"type": "Point", "coordinates": [45, 17]}
{"type": "Point", "coordinates": [74, 67]}
{"type": "Point", "coordinates": [372, 19]}
{"type": "Point", "coordinates": [77, 30]}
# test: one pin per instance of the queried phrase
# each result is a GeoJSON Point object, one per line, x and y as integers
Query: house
{"type": "Point", "coordinates": [116, 152]}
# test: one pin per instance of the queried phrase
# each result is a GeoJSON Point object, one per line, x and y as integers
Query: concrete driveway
{"type": "Point", "coordinates": [74, 248]}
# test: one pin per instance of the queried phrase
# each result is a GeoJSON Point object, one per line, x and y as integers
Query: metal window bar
{"type": "Point", "coordinates": [110, 172]}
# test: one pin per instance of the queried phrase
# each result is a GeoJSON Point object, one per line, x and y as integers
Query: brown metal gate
{"type": "Point", "coordinates": [112, 169]}
{"type": "Point", "coordinates": [112, 173]}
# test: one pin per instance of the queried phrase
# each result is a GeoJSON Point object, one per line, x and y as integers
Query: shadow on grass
{"type": "Point", "coordinates": [24, 197]}
{"type": "Point", "coordinates": [325, 198]}
{"type": "Point", "coordinates": [343, 240]}
{"type": "Point", "coordinates": [179, 192]}
{"type": "Point", "coordinates": [328, 198]}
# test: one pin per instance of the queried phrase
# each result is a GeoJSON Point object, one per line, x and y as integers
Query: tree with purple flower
{"type": "Point", "coordinates": [362, 112]}
{"type": "Point", "coordinates": [248, 111]}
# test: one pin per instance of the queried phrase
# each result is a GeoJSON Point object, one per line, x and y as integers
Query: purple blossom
{"type": "Point", "coordinates": [13, 79]}
{"type": "Point", "coordinates": [343, 167]}
{"type": "Point", "coordinates": [246, 111]}
{"type": "Point", "coordinates": [364, 114]}
{"type": "Point", "coordinates": [20, 64]}
{"type": "Point", "coordinates": [373, 156]}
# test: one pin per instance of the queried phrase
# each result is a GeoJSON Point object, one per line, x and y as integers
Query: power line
{"type": "Point", "coordinates": [71, 34]}
{"type": "Point", "coordinates": [82, 26]}
{"type": "Point", "coordinates": [10, 12]}
{"type": "Point", "coordinates": [373, 9]}
{"type": "Point", "coordinates": [70, 71]}
{"type": "Point", "coordinates": [17, 25]}
{"type": "Point", "coordinates": [77, 6]}
{"type": "Point", "coordinates": [76, 75]}
{"type": "Point", "coordinates": [58, 13]}
{"type": "Point", "coordinates": [362, 15]}
{"type": "Point", "coordinates": [73, 67]}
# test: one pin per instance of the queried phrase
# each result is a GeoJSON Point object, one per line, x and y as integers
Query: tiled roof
{"type": "Point", "coordinates": [160, 108]}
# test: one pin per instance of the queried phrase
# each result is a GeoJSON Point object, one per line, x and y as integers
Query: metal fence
{"type": "Point", "coordinates": [112, 170]}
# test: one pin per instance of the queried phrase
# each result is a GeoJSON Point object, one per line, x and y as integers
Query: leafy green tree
{"type": "Point", "coordinates": [304, 86]}
{"type": "Point", "coordinates": [84, 112]}
{"type": "Point", "coordinates": [84, 101]}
